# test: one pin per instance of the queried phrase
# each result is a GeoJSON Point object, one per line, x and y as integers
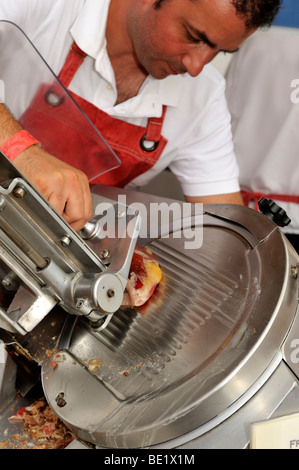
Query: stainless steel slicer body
{"type": "Point", "coordinates": [209, 354]}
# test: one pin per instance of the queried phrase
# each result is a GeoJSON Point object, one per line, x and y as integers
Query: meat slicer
{"type": "Point", "coordinates": [44, 262]}
{"type": "Point", "coordinates": [211, 352]}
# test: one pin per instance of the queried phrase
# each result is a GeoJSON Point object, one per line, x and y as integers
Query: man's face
{"type": "Point", "coordinates": [183, 35]}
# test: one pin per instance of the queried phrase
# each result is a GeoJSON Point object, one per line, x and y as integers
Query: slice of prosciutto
{"type": "Point", "coordinates": [145, 274]}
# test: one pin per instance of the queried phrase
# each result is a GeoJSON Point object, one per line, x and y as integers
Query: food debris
{"type": "Point", "coordinates": [50, 352]}
{"type": "Point", "coordinates": [42, 426]}
{"type": "Point", "coordinates": [53, 365]}
{"type": "Point", "coordinates": [94, 365]}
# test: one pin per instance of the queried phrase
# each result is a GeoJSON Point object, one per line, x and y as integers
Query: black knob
{"type": "Point", "coordinates": [274, 212]}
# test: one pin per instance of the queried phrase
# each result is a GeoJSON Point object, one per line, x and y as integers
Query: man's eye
{"type": "Point", "coordinates": [192, 38]}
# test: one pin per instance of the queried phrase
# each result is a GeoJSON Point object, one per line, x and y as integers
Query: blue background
{"type": "Point", "coordinates": [289, 14]}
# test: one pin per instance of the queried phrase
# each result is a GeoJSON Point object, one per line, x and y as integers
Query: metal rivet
{"type": "Point", "coordinates": [53, 99]}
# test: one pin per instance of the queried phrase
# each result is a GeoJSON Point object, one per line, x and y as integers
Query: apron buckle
{"type": "Point", "coordinates": [147, 145]}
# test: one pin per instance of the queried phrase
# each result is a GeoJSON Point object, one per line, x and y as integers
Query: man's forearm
{"type": "Point", "coordinates": [8, 125]}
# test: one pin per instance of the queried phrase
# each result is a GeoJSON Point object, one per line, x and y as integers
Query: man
{"type": "Point", "coordinates": [142, 59]}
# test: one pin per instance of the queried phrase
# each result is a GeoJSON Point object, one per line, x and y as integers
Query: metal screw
{"type": "Point", "coordinates": [60, 400]}
{"type": "Point", "coordinates": [80, 303]}
{"type": "Point", "coordinates": [8, 280]}
{"type": "Point", "coordinates": [19, 192]}
{"type": "Point", "coordinates": [121, 214]}
{"type": "Point", "coordinates": [5, 282]}
{"type": "Point", "coordinates": [104, 254]}
{"type": "Point", "coordinates": [65, 240]}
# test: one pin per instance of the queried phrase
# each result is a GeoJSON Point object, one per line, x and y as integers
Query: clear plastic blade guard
{"type": "Point", "coordinates": [42, 105]}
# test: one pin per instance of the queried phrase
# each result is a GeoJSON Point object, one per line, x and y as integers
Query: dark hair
{"type": "Point", "coordinates": [256, 13]}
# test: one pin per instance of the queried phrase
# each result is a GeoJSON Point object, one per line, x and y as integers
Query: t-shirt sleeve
{"type": "Point", "coordinates": [207, 164]}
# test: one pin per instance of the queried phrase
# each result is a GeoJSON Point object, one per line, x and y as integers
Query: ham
{"type": "Point", "coordinates": [145, 274]}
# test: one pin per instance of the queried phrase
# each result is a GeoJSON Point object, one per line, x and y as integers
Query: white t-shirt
{"type": "Point", "coordinates": [262, 93]}
{"type": "Point", "coordinates": [197, 124]}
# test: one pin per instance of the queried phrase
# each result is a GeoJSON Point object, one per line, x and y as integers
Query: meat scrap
{"type": "Point", "coordinates": [94, 365]}
{"type": "Point", "coordinates": [145, 274]}
{"type": "Point", "coordinates": [43, 426]}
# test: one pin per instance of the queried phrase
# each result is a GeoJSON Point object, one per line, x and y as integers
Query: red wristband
{"type": "Point", "coordinates": [17, 143]}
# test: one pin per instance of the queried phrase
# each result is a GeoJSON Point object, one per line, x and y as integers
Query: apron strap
{"type": "Point", "coordinates": [154, 127]}
{"type": "Point", "coordinates": [74, 59]}
{"type": "Point", "coordinates": [151, 138]}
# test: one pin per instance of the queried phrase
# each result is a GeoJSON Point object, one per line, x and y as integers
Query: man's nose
{"type": "Point", "coordinates": [195, 61]}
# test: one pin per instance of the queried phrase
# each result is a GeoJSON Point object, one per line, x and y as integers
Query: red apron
{"type": "Point", "coordinates": [251, 196]}
{"type": "Point", "coordinates": [53, 123]}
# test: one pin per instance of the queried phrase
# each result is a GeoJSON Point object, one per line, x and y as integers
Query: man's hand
{"type": "Point", "coordinates": [66, 188]}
